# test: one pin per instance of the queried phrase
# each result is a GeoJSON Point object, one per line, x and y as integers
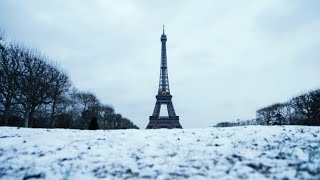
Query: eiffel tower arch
{"type": "Point", "coordinates": [164, 97]}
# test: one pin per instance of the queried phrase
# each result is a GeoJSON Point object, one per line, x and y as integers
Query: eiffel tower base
{"type": "Point", "coordinates": [164, 122]}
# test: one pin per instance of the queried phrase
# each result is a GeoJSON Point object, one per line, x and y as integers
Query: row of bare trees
{"type": "Point", "coordinates": [238, 123]}
{"type": "Point", "coordinates": [34, 92]}
{"type": "Point", "coordinates": [300, 110]}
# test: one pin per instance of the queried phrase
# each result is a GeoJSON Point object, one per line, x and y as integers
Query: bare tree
{"type": "Point", "coordinates": [85, 105]}
{"type": "Point", "coordinates": [301, 106]}
{"type": "Point", "coordinates": [37, 93]}
{"type": "Point", "coordinates": [59, 86]}
{"type": "Point", "coordinates": [86, 100]}
{"type": "Point", "coordinates": [307, 107]}
{"type": "Point", "coordinates": [278, 114]}
{"type": "Point", "coordinates": [300, 110]}
{"type": "Point", "coordinates": [264, 116]}
{"type": "Point", "coordinates": [32, 82]}
{"type": "Point", "coordinates": [289, 114]}
{"type": "Point", "coordinates": [9, 67]}
{"type": "Point", "coordinates": [272, 115]}
{"type": "Point", "coordinates": [315, 107]}
{"type": "Point", "coordinates": [106, 112]}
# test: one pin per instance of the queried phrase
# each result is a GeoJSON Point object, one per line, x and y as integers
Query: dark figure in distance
{"type": "Point", "coordinates": [93, 124]}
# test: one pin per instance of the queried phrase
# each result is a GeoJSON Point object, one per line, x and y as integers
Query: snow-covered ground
{"type": "Point", "coordinates": [253, 152]}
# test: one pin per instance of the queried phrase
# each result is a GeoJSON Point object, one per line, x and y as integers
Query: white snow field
{"type": "Point", "coordinates": [252, 152]}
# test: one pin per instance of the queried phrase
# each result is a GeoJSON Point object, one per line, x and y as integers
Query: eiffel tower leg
{"type": "Point", "coordinates": [171, 111]}
{"type": "Point", "coordinates": [156, 111]}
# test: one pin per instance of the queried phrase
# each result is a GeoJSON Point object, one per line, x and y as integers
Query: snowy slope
{"type": "Point", "coordinates": [253, 152]}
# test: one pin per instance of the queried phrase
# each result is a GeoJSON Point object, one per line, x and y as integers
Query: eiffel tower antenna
{"type": "Point", "coordinates": [163, 29]}
{"type": "Point", "coordinates": [164, 97]}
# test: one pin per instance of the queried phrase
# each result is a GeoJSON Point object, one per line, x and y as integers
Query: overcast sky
{"type": "Point", "coordinates": [226, 59]}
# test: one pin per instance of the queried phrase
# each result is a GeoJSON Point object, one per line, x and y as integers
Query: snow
{"type": "Point", "coordinates": [252, 152]}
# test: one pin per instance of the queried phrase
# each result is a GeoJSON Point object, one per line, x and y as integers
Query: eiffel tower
{"type": "Point", "coordinates": [172, 120]}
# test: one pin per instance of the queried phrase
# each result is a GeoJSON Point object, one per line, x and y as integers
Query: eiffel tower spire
{"type": "Point", "coordinates": [164, 79]}
{"type": "Point", "coordinates": [172, 120]}
{"type": "Point", "coordinates": [162, 29]}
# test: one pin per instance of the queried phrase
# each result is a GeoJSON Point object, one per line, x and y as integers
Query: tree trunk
{"type": "Point", "coordinates": [27, 116]}
{"type": "Point", "coordinates": [31, 116]}
{"type": "Point", "coordinates": [6, 115]}
{"type": "Point", "coordinates": [70, 123]}
{"type": "Point", "coordinates": [6, 112]}
{"type": "Point", "coordinates": [52, 113]}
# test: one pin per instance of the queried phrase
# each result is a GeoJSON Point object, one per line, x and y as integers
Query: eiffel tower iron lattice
{"type": "Point", "coordinates": [164, 97]}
